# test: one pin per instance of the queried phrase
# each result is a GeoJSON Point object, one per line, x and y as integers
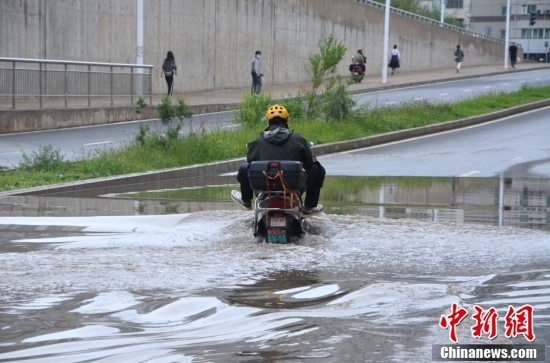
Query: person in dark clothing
{"type": "Point", "coordinates": [459, 58]}
{"type": "Point", "coordinates": [394, 59]}
{"type": "Point", "coordinates": [277, 142]}
{"type": "Point", "coordinates": [513, 54]}
{"type": "Point", "coordinates": [169, 70]}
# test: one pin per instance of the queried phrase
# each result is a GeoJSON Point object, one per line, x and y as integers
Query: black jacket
{"type": "Point", "coordinates": [279, 143]}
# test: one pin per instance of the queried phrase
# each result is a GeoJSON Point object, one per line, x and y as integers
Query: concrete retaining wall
{"type": "Point", "coordinates": [214, 40]}
{"type": "Point", "coordinates": [47, 119]}
{"type": "Point", "coordinates": [13, 121]}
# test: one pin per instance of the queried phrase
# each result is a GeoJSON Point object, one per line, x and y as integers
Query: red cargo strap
{"type": "Point", "coordinates": [286, 189]}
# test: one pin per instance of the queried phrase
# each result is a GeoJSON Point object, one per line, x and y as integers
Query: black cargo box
{"type": "Point", "coordinates": [293, 173]}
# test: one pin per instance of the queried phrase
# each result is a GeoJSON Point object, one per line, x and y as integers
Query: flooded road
{"type": "Point", "coordinates": [157, 278]}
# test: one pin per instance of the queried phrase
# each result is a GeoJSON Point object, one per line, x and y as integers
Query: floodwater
{"type": "Point", "coordinates": [176, 276]}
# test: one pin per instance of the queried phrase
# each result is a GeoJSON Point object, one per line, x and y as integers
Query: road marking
{"type": "Point", "coordinates": [516, 159]}
{"type": "Point", "coordinates": [505, 84]}
{"type": "Point", "coordinates": [98, 143]}
{"type": "Point", "coordinates": [444, 94]}
{"type": "Point", "coordinates": [15, 152]}
{"type": "Point", "coordinates": [419, 98]}
{"type": "Point", "coordinates": [538, 79]}
{"type": "Point", "coordinates": [389, 103]}
{"type": "Point", "coordinates": [231, 126]}
{"type": "Point", "coordinates": [470, 173]}
{"type": "Point", "coordinates": [487, 86]}
{"type": "Point", "coordinates": [466, 90]}
{"type": "Point", "coordinates": [522, 81]}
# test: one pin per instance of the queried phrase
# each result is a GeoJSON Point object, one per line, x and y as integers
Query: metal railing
{"type": "Point", "coordinates": [29, 79]}
{"type": "Point", "coordinates": [430, 21]}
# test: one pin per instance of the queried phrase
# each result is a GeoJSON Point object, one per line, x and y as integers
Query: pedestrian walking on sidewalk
{"type": "Point", "coordinates": [459, 58]}
{"type": "Point", "coordinates": [256, 74]}
{"type": "Point", "coordinates": [513, 54]}
{"type": "Point", "coordinates": [169, 70]}
{"type": "Point", "coordinates": [395, 58]}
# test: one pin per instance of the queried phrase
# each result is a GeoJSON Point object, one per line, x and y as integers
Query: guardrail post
{"type": "Point", "coordinates": [151, 86]}
{"type": "Point", "coordinates": [112, 99]}
{"type": "Point", "coordinates": [66, 86]}
{"type": "Point", "coordinates": [13, 85]}
{"type": "Point", "coordinates": [89, 85]}
{"type": "Point", "coordinates": [132, 86]}
{"type": "Point", "coordinates": [41, 85]}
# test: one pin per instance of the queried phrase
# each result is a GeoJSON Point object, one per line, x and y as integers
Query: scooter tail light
{"type": "Point", "coordinates": [276, 203]}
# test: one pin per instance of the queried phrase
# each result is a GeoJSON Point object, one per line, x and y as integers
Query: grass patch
{"type": "Point", "coordinates": [148, 154]}
{"type": "Point", "coordinates": [341, 191]}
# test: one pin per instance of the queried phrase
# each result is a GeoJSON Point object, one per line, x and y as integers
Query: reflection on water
{"type": "Point", "coordinates": [317, 318]}
{"type": "Point", "coordinates": [500, 202]}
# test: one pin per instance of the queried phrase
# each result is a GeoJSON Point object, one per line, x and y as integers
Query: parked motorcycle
{"type": "Point", "coordinates": [357, 73]}
{"type": "Point", "coordinates": [277, 213]}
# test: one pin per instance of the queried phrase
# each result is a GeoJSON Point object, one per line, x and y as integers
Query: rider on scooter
{"type": "Point", "coordinates": [277, 142]}
{"type": "Point", "coordinates": [360, 59]}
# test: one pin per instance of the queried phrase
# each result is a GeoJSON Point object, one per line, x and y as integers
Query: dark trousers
{"type": "Point", "coordinates": [170, 83]}
{"type": "Point", "coordinates": [256, 85]}
{"type": "Point", "coordinates": [513, 58]}
{"type": "Point", "coordinates": [315, 178]}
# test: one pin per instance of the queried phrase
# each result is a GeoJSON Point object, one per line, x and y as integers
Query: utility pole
{"type": "Point", "coordinates": [386, 41]}
{"type": "Point", "coordinates": [139, 46]}
{"type": "Point", "coordinates": [507, 42]}
{"type": "Point", "coordinates": [545, 40]}
{"type": "Point", "coordinates": [443, 12]}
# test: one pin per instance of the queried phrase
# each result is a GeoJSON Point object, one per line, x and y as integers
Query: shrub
{"type": "Point", "coordinates": [142, 134]}
{"type": "Point", "coordinates": [167, 111]}
{"type": "Point", "coordinates": [251, 111]}
{"type": "Point", "coordinates": [140, 105]}
{"type": "Point", "coordinates": [337, 103]}
{"type": "Point", "coordinates": [46, 159]}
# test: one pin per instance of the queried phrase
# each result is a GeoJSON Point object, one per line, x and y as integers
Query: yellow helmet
{"type": "Point", "coordinates": [276, 111]}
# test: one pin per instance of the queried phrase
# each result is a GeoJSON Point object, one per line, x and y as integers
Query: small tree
{"type": "Point", "coordinates": [327, 96]}
{"type": "Point", "coordinates": [172, 117]}
{"type": "Point", "coordinates": [322, 68]}
{"type": "Point", "coordinates": [140, 105]}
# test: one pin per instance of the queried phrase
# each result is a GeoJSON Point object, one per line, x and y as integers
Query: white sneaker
{"type": "Point", "coordinates": [308, 212]}
{"type": "Point", "coordinates": [237, 198]}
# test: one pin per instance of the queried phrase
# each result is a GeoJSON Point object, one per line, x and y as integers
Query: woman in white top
{"type": "Point", "coordinates": [395, 58]}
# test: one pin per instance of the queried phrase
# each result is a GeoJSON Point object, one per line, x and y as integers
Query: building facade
{"type": "Point", "coordinates": [459, 9]}
{"type": "Point", "coordinates": [489, 17]}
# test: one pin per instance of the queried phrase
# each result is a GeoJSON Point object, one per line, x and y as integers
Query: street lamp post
{"type": "Point", "coordinates": [443, 11]}
{"type": "Point", "coordinates": [386, 41]}
{"type": "Point", "coordinates": [507, 42]}
{"type": "Point", "coordinates": [139, 46]}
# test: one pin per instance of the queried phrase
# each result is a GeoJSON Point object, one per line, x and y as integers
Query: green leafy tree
{"type": "Point", "coordinates": [415, 7]}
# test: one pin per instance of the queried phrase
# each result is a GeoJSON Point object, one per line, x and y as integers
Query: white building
{"type": "Point", "coordinates": [459, 9]}
{"type": "Point", "coordinates": [489, 17]}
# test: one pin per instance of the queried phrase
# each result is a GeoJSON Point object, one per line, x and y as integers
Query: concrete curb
{"type": "Point", "coordinates": [207, 173]}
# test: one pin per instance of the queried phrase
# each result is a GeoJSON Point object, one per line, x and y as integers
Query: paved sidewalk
{"type": "Point", "coordinates": [227, 98]}
{"type": "Point", "coordinates": [369, 83]}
